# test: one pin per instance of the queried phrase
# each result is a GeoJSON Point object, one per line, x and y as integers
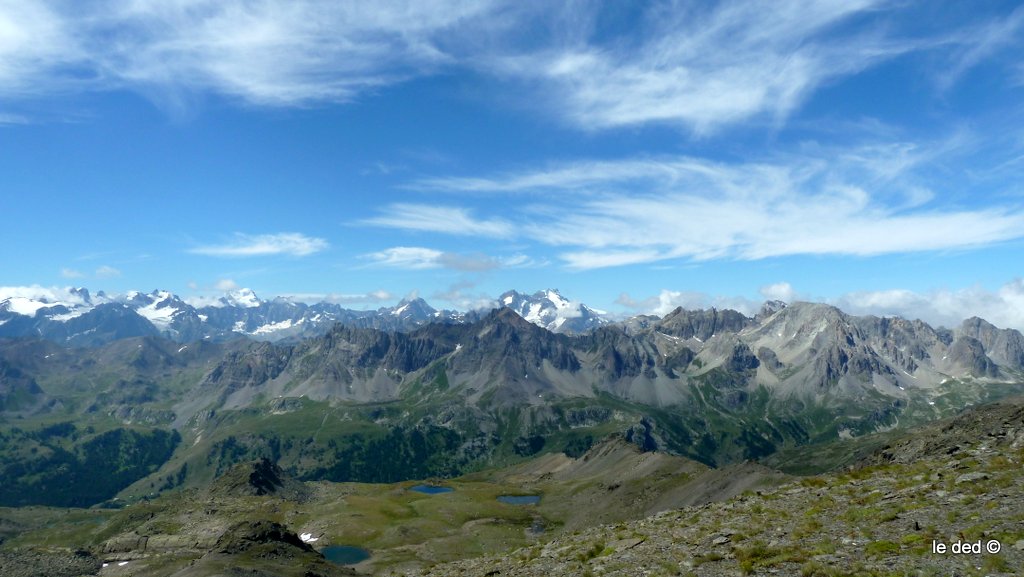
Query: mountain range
{"type": "Point", "coordinates": [449, 393]}
{"type": "Point", "coordinates": [84, 319]}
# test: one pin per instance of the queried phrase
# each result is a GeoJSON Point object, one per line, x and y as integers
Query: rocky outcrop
{"type": "Point", "coordinates": [257, 478]}
{"type": "Point", "coordinates": [969, 353]}
{"type": "Point", "coordinates": [997, 427]}
{"type": "Point", "coordinates": [880, 519]}
{"type": "Point", "coordinates": [1005, 347]}
{"type": "Point", "coordinates": [702, 324]}
{"type": "Point", "coordinates": [619, 355]}
{"type": "Point", "coordinates": [507, 348]}
{"type": "Point", "coordinates": [29, 563]}
{"type": "Point", "coordinates": [248, 534]}
{"type": "Point", "coordinates": [742, 359]}
{"type": "Point", "coordinates": [18, 392]}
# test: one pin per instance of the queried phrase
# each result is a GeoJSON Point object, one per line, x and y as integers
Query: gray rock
{"type": "Point", "coordinates": [971, 478]}
{"type": "Point", "coordinates": [623, 544]}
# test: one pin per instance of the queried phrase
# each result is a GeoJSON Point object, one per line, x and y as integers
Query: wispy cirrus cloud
{"type": "Point", "coordinates": [249, 245]}
{"type": "Point", "coordinates": [980, 43]}
{"type": "Point", "coordinates": [13, 119]}
{"type": "Point", "coordinates": [708, 65]}
{"type": "Point", "coordinates": [861, 200]}
{"type": "Point", "coordinates": [107, 271]}
{"type": "Point", "coordinates": [421, 258]}
{"type": "Point", "coordinates": [444, 219]}
{"type": "Point", "coordinates": [877, 163]}
{"type": "Point", "coordinates": [102, 272]}
{"type": "Point", "coordinates": [406, 257]}
{"type": "Point", "coordinates": [263, 53]}
{"type": "Point", "coordinates": [225, 285]}
{"type": "Point", "coordinates": [39, 52]}
{"type": "Point", "coordinates": [702, 66]}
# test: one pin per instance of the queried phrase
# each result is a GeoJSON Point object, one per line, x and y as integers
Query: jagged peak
{"type": "Point", "coordinates": [816, 309]}
{"type": "Point", "coordinates": [243, 297]}
{"type": "Point", "coordinates": [770, 307]}
{"type": "Point", "coordinates": [505, 314]}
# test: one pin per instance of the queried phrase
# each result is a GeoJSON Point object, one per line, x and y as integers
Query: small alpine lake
{"type": "Point", "coordinates": [519, 499]}
{"type": "Point", "coordinates": [431, 489]}
{"type": "Point", "coordinates": [345, 554]}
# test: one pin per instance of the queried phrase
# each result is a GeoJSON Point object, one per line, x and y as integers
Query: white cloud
{"type": "Point", "coordinates": [700, 65]}
{"type": "Point", "coordinates": [246, 245]}
{"type": "Point", "coordinates": [265, 53]}
{"type": "Point", "coordinates": [668, 300]}
{"type": "Point", "coordinates": [781, 291]}
{"type": "Point", "coordinates": [459, 297]}
{"type": "Point", "coordinates": [106, 271]}
{"type": "Point", "coordinates": [948, 307]}
{"type": "Point", "coordinates": [591, 259]}
{"type": "Point", "coordinates": [419, 258]}
{"type": "Point", "coordinates": [468, 262]}
{"type": "Point", "coordinates": [705, 66]}
{"type": "Point", "coordinates": [35, 42]}
{"type": "Point", "coordinates": [981, 43]}
{"type": "Point", "coordinates": [43, 294]}
{"type": "Point", "coordinates": [864, 200]}
{"type": "Point", "coordinates": [225, 285]}
{"type": "Point", "coordinates": [941, 307]}
{"type": "Point", "coordinates": [70, 273]}
{"type": "Point", "coordinates": [406, 257]}
{"type": "Point", "coordinates": [7, 118]}
{"type": "Point", "coordinates": [448, 220]}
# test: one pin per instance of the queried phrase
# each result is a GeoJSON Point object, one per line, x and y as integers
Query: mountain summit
{"type": "Point", "coordinates": [549, 309]}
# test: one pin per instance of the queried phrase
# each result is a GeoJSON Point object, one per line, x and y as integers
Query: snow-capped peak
{"type": "Point", "coordinates": [415, 309]}
{"type": "Point", "coordinates": [557, 299]}
{"type": "Point", "coordinates": [243, 298]}
{"type": "Point", "coordinates": [29, 300]}
{"type": "Point", "coordinates": [549, 309]}
{"type": "Point", "coordinates": [161, 308]}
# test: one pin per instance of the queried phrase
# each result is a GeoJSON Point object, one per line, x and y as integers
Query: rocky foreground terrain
{"type": "Point", "coordinates": [956, 481]}
{"type": "Point", "coordinates": [953, 483]}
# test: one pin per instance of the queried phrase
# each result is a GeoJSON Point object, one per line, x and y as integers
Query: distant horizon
{"type": "Point", "coordinates": [640, 157]}
{"type": "Point", "coordinates": [747, 307]}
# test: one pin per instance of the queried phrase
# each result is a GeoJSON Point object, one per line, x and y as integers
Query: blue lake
{"type": "Point", "coordinates": [520, 499]}
{"type": "Point", "coordinates": [431, 489]}
{"type": "Point", "coordinates": [344, 554]}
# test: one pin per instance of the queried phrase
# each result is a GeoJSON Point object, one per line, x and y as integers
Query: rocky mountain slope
{"type": "Point", "coordinates": [447, 398]}
{"type": "Point", "coordinates": [957, 482]}
{"type": "Point", "coordinates": [614, 510]}
{"type": "Point", "coordinates": [714, 385]}
{"type": "Point", "coordinates": [256, 516]}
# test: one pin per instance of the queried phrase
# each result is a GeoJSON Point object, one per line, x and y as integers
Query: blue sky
{"type": "Point", "coordinates": [637, 156]}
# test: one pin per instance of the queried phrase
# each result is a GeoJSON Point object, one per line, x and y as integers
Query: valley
{"type": "Point", "coordinates": [186, 459]}
{"type": "Point", "coordinates": [616, 510]}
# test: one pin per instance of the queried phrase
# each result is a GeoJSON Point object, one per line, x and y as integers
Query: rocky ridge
{"type": "Point", "coordinates": [878, 519]}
